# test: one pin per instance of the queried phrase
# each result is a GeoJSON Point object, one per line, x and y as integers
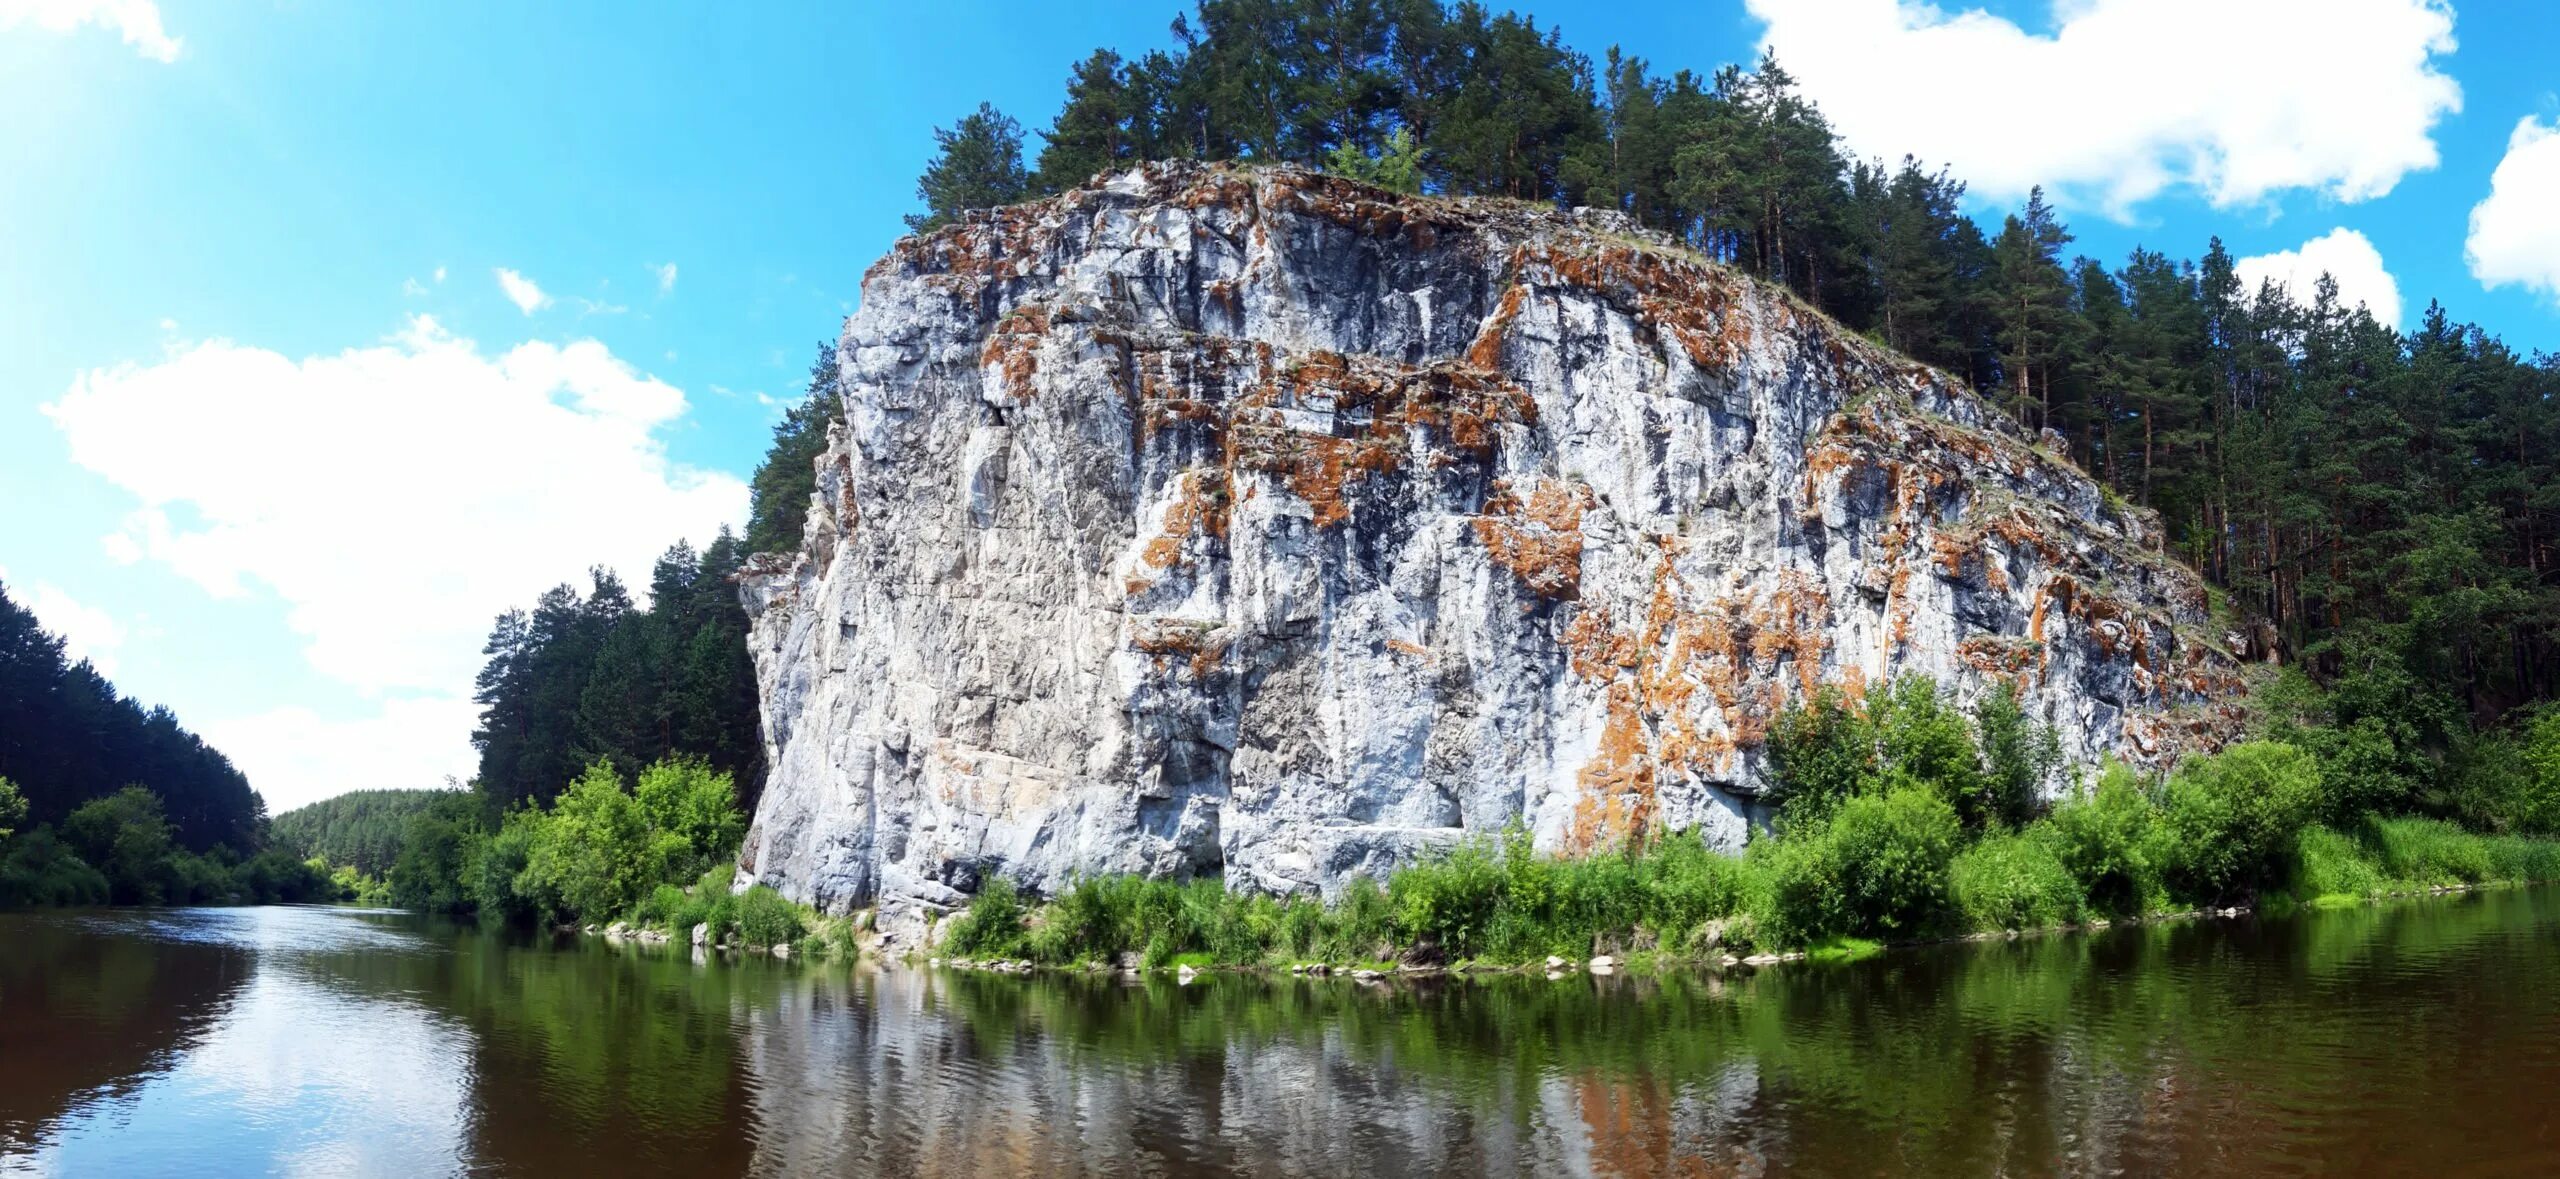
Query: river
{"type": "Point", "coordinates": [2415, 1036]}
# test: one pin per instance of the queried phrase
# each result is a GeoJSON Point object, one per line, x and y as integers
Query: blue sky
{"type": "Point", "coordinates": [276, 438]}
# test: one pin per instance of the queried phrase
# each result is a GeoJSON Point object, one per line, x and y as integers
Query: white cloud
{"type": "Point", "coordinates": [439, 274]}
{"type": "Point", "coordinates": [86, 631]}
{"type": "Point", "coordinates": [2342, 254]}
{"type": "Point", "coordinates": [412, 287]}
{"type": "Point", "coordinates": [2515, 233]}
{"type": "Point", "coordinates": [295, 756]}
{"type": "Point", "coordinates": [395, 498]}
{"type": "Point", "coordinates": [2239, 99]}
{"type": "Point", "coordinates": [522, 292]}
{"type": "Point", "coordinates": [138, 21]}
{"type": "Point", "coordinates": [666, 278]}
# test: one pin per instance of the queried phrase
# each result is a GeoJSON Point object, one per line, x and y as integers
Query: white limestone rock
{"type": "Point", "coordinates": [1256, 523]}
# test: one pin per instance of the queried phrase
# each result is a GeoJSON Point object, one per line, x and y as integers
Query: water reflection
{"type": "Point", "coordinates": [2414, 1036]}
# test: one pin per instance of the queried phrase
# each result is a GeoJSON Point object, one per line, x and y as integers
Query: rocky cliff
{"type": "Point", "coordinates": [1211, 520]}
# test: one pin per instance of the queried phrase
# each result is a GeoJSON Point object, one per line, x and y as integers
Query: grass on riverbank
{"type": "Point", "coordinates": [1894, 865]}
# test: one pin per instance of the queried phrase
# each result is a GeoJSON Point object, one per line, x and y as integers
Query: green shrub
{"type": "Point", "coordinates": [2227, 822]}
{"type": "Point", "coordinates": [1893, 854]}
{"type": "Point", "coordinates": [2014, 881]}
{"type": "Point", "coordinates": [125, 836]}
{"type": "Point", "coordinates": [661, 907]}
{"type": "Point", "coordinates": [1926, 744]}
{"type": "Point", "coordinates": [1363, 922]}
{"type": "Point", "coordinates": [38, 868]}
{"type": "Point", "coordinates": [2101, 838]}
{"type": "Point", "coordinates": [697, 805]}
{"type": "Point", "coordinates": [1821, 754]}
{"type": "Point", "coordinates": [1448, 901]}
{"type": "Point", "coordinates": [766, 918]}
{"type": "Point", "coordinates": [1686, 884]}
{"type": "Point", "coordinates": [2017, 755]}
{"type": "Point", "coordinates": [1879, 868]}
{"type": "Point", "coordinates": [2328, 863]}
{"type": "Point", "coordinates": [992, 926]}
{"type": "Point", "coordinates": [597, 851]}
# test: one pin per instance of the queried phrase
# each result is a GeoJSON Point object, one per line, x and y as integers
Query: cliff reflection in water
{"type": "Point", "coordinates": [2417, 1035]}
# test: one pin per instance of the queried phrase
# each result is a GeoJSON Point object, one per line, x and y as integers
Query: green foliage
{"type": "Point", "coordinates": [2103, 840]}
{"type": "Point", "coordinates": [977, 165]}
{"type": "Point", "coordinates": [1447, 903]}
{"type": "Point", "coordinates": [2428, 852]}
{"type": "Point", "coordinates": [686, 798]}
{"type": "Point", "coordinates": [992, 926]}
{"type": "Point", "coordinates": [1879, 867]}
{"type": "Point", "coordinates": [597, 852]}
{"type": "Point", "coordinates": [2015, 880]}
{"type": "Point", "coordinates": [69, 738]}
{"type": "Point", "coordinates": [2227, 821]}
{"type": "Point", "coordinates": [1397, 166]}
{"type": "Point", "coordinates": [13, 808]}
{"type": "Point", "coordinates": [764, 918]}
{"type": "Point", "coordinates": [363, 828]}
{"type": "Point", "coordinates": [126, 837]}
{"type": "Point", "coordinates": [2018, 757]}
{"type": "Point", "coordinates": [778, 494]}
{"type": "Point", "coordinates": [38, 868]}
{"type": "Point", "coordinates": [432, 868]}
{"type": "Point", "coordinates": [1924, 743]}
{"type": "Point", "coordinates": [1893, 854]}
{"type": "Point", "coordinates": [2328, 863]}
{"type": "Point", "coordinates": [1820, 753]}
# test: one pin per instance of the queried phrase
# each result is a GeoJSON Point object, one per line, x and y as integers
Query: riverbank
{"type": "Point", "coordinates": [2120, 854]}
{"type": "Point", "coordinates": [2237, 831]}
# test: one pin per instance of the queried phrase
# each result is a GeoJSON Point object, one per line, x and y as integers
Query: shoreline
{"type": "Point", "coordinates": [1553, 968]}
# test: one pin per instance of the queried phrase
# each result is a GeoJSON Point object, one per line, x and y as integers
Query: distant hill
{"type": "Point", "coordinates": [360, 827]}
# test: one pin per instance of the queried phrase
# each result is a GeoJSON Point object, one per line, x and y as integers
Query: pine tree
{"type": "Point", "coordinates": [2036, 324]}
{"type": "Point", "coordinates": [978, 166]}
{"type": "Point", "coordinates": [778, 492]}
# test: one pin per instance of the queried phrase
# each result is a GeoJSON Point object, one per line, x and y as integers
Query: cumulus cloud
{"type": "Point", "coordinates": [522, 292]}
{"type": "Point", "coordinates": [86, 631]}
{"type": "Point", "coordinates": [395, 498]}
{"type": "Point", "coordinates": [666, 278]}
{"type": "Point", "coordinates": [2238, 99]}
{"type": "Point", "coordinates": [138, 21]}
{"type": "Point", "coordinates": [294, 756]}
{"type": "Point", "coordinates": [2515, 233]}
{"type": "Point", "coordinates": [2342, 254]}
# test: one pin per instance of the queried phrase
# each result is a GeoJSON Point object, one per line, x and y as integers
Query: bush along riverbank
{"type": "Point", "coordinates": [647, 858]}
{"type": "Point", "coordinates": [1900, 818]}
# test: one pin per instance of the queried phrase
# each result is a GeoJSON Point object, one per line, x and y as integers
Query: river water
{"type": "Point", "coordinates": [2414, 1037]}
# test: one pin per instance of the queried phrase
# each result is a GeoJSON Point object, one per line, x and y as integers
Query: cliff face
{"type": "Point", "coordinates": [1255, 522]}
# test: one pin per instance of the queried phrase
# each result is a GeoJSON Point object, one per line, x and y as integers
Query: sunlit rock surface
{"type": "Point", "coordinates": [1212, 520]}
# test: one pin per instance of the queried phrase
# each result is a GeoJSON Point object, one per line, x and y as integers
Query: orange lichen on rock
{"type": "Point", "coordinates": [1618, 783]}
{"type": "Point", "coordinates": [1538, 537]}
{"type": "Point", "coordinates": [1012, 350]}
{"type": "Point", "coordinates": [1694, 304]}
{"type": "Point", "coordinates": [1595, 650]}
